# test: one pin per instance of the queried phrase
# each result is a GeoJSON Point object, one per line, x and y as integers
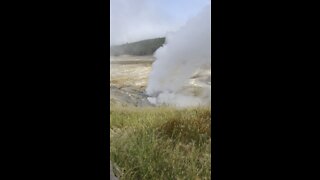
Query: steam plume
{"type": "Point", "coordinates": [185, 52]}
{"type": "Point", "coordinates": [135, 20]}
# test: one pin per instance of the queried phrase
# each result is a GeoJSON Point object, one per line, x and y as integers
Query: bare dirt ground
{"type": "Point", "coordinates": [129, 77]}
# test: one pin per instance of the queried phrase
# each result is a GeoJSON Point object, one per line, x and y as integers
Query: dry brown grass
{"type": "Point", "coordinates": [161, 143]}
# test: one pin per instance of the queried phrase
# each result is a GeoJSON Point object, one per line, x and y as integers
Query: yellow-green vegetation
{"type": "Point", "coordinates": [160, 143]}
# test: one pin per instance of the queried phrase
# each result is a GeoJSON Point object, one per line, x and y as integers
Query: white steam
{"type": "Point", "coordinates": [134, 20]}
{"type": "Point", "coordinates": [185, 52]}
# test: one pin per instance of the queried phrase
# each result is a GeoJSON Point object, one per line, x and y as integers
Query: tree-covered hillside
{"type": "Point", "coordinates": [140, 48]}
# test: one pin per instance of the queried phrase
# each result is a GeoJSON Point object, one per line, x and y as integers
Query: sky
{"type": "Point", "coordinates": [134, 20]}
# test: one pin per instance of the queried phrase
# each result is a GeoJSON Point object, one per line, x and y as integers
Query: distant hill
{"type": "Point", "coordinates": [140, 48]}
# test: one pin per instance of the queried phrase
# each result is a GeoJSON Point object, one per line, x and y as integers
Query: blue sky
{"type": "Point", "coordinates": [133, 20]}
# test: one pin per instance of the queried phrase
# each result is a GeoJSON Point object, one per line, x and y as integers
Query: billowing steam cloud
{"type": "Point", "coordinates": [185, 52]}
{"type": "Point", "coordinates": [134, 20]}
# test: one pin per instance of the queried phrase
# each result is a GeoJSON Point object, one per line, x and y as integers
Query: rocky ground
{"type": "Point", "coordinates": [128, 80]}
{"type": "Point", "coordinates": [129, 76]}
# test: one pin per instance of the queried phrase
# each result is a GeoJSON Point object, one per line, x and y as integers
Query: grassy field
{"type": "Point", "coordinates": [160, 143]}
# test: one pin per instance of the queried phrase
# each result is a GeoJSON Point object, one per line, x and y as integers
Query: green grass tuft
{"type": "Point", "coordinates": [160, 143]}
